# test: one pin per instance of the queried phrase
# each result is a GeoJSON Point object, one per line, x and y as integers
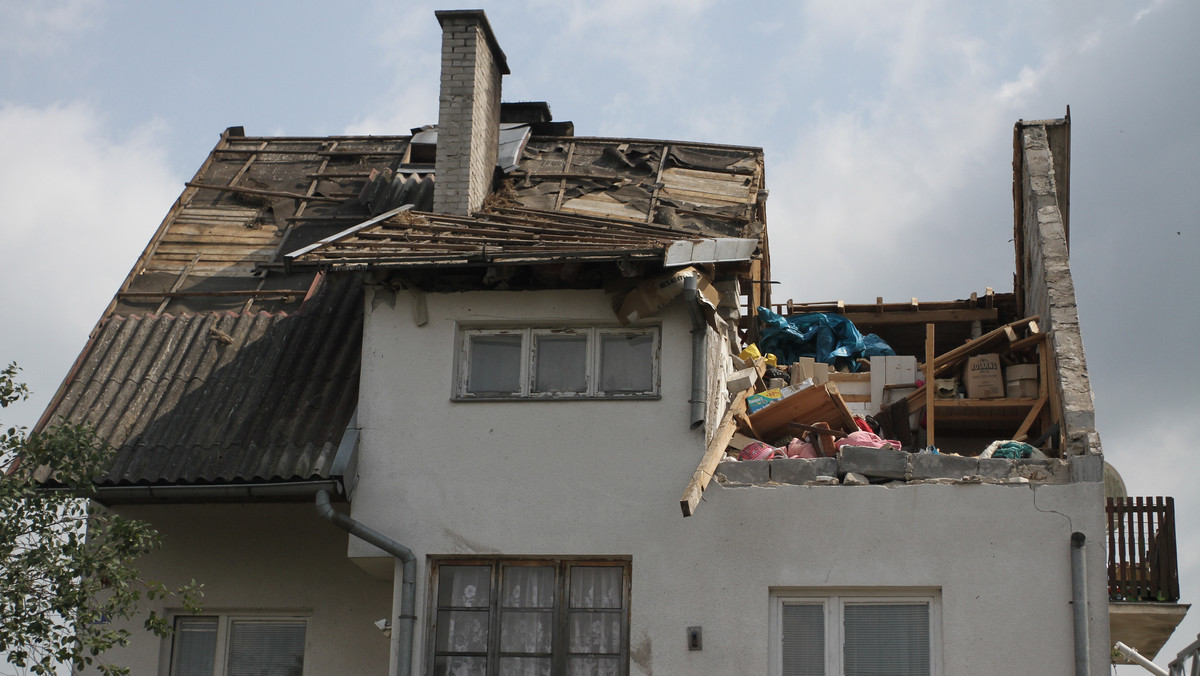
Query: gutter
{"type": "Point", "coordinates": [406, 620]}
{"type": "Point", "coordinates": [293, 490]}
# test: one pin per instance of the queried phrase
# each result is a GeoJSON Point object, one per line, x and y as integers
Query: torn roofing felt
{"type": "Point", "coordinates": [574, 200]}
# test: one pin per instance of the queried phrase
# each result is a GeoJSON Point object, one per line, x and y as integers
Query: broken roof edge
{"type": "Point", "coordinates": [620, 139]}
{"type": "Point", "coordinates": [138, 266]}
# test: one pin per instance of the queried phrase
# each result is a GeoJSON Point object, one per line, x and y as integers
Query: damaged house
{"type": "Point", "coordinates": [434, 403]}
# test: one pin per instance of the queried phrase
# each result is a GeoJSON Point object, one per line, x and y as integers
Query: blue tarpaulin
{"type": "Point", "coordinates": [828, 338]}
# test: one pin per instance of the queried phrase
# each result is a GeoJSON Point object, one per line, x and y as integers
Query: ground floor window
{"type": "Point", "coordinates": [235, 645]}
{"type": "Point", "coordinates": [855, 633]}
{"type": "Point", "coordinates": [529, 617]}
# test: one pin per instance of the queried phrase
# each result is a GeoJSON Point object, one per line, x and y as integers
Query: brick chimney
{"type": "Point", "coordinates": [468, 111]}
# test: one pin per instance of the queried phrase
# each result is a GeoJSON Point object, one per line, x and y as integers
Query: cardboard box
{"type": "Point", "coordinates": [652, 295]}
{"type": "Point", "coordinates": [984, 378]}
{"type": "Point", "coordinates": [1021, 381]}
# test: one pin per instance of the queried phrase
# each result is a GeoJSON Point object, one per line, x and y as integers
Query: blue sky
{"type": "Point", "coordinates": [887, 128]}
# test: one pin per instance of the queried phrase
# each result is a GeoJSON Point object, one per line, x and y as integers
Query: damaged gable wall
{"type": "Point", "coordinates": [1044, 282]}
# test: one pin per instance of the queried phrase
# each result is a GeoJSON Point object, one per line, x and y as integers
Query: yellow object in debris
{"type": "Point", "coordinates": [750, 353]}
{"type": "Point", "coordinates": [771, 361]}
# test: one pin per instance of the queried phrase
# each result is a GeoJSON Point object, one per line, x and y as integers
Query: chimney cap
{"type": "Point", "coordinates": [480, 17]}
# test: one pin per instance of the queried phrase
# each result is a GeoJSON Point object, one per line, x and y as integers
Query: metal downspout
{"type": "Point", "coordinates": [698, 399]}
{"type": "Point", "coordinates": [1079, 603]}
{"type": "Point", "coordinates": [406, 621]}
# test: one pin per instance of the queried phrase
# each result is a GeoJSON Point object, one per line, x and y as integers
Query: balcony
{"type": "Point", "coordinates": [1143, 573]}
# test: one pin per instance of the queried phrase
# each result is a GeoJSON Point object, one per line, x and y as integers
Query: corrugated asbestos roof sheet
{"type": "Point", "coordinates": [223, 397]}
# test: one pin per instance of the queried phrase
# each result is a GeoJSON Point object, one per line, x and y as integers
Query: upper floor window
{"type": "Point", "coordinates": [530, 363]}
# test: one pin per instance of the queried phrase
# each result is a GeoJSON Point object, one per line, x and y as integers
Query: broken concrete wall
{"type": "Point", "coordinates": [1044, 268]}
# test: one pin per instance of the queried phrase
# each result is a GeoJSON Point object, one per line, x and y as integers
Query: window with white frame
{"type": "Point", "coordinates": [529, 617]}
{"type": "Point", "coordinates": [856, 633]}
{"type": "Point", "coordinates": [234, 645]}
{"type": "Point", "coordinates": [579, 362]}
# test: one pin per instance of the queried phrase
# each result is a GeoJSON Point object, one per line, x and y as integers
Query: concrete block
{"type": "Point", "coordinates": [746, 473]}
{"type": "Point", "coordinates": [1088, 468]}
{"type": "Point", "coordinates": [855, 479]}
{"type": "Point", "coordinates": [873, 462]}
{"type": "Point", "coordinates": [937, 466]}
{"type": "Point", "coordinates": [801, 470]}
{"type": "Point", "coordinates": [995, 468]}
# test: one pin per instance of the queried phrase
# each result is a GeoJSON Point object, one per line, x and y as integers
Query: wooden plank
{"type": "Point", "coordinates": [700, 199]}
{"type": "Point", "coordinates": [943, 404]}
{"type": "Point", "coordinates": [202, 241]}
{"type": "Point", "coordinates": [562, 186]}
{"type": "Point", "coordinates": [264, 193]}
{"type": "Point", "coordinates": [1026, 343]}
{"type": "Point", "coordinates": [603, 205]}
{"type": "Point", "coordinates": [1034, 412]}
{"type": "Point", "coordinates": [930, 368]}
{"type": "Point", "coordinates": [712, 455]}
{"type": "Point", "coordinates": [716, 185]}
{"type": "Point", "coordinates": [214, 250]}
{"type": "Point", "coordinates": [850, 377]}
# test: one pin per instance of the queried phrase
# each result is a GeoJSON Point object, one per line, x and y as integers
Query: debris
{"type": "Point", "coordinates": [855, 479]}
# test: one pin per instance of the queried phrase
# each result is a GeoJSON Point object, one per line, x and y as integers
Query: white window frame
{"type": "Point", "coordinates": [528, 362]}
{"type": "Point", "coordinates": [834, 601]}
{"type": "Point", "coordinates": [224, 626]}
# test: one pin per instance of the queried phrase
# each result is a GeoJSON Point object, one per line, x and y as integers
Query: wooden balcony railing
{"type": "Point", "coordinates": [1142, 561]}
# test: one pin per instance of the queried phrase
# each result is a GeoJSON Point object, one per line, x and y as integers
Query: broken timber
{"type": "Point", "coordinates": [716, 448]}
{"type": "Point", "coordinates": [712, 455]}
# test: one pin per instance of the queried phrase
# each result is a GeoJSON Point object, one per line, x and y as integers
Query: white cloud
{"type": "Point", "coordinates": [79, 206]}
{"type": "Point", "coordinates": [44, 26]}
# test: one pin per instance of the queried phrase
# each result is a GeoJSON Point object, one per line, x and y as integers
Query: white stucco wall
{"type": "Point", "coordinates": [266, 558]}
{"type": "Point", "coordinates": [605, 478]}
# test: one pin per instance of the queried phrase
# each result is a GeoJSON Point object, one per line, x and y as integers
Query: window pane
{"type": "Point", "coordinates": [526, 632]}
{"type": "Point", "coordinates": [560, 363]}
{"type": "Point", "coordinates": [626, 362]}
{"type": "Point", "coordinates": [524, 666]}
{"type": "Point", "coordinates": [593, 666]}
{"type": "Point", "coordinates": [596, 587]}
{"type": "Point", "coordinates": [464, 586]}
{"type": "Point", "coordinates": [803, 640]}
{"type": "Point", "coordinates": [595, 632]}
{"type": "Point", "coordinates": [495, 364]}
{"type": "Point", "coordinates": [887, 639]}
{"type": "Point", "coordinates": [462, 631]}
{"type": "Point", "coordinates": [266, 648]}
{"type": "Point", "coordinates": [460, 666]}
{"type": "Point", "coordinates": [528, 587]}
{"type": "Point", "coordinates": [195, 646]}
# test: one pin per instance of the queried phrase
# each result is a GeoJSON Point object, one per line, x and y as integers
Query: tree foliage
{"type": "Point", "coordinates": [69, 582]}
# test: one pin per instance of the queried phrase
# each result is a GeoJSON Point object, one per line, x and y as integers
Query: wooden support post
{"type": "Point", "coordinates": [930, 390]}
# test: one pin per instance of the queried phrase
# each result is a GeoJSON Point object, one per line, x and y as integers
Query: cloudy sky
{"type": "Point", "coordinates": [887, 128]}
